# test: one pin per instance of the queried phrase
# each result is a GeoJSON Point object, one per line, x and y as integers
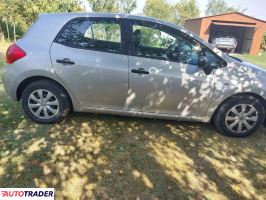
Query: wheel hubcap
{"type": "Point", "coordinates": [241, 118]}
{"type": "Point", "coordinates": [43, 104]}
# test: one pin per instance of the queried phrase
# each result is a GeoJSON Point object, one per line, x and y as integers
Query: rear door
{"type": "Point", "coordinates": [163, 74]}
{"type": "Point", "coordinates": [89, 56]}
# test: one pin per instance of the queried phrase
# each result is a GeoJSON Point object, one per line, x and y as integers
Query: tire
{"type": "Point", "coordinates": [54, 100]}
{"type": "Point", "coordinates": [229, 123]}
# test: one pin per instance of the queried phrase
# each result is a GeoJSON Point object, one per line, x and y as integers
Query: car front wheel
{"type": "Point", "coordinates": [45, 102]}
{"type": "Point", "coordinates": [239, 116]}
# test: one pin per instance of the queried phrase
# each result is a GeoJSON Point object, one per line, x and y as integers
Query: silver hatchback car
{"type": "Point", "coordinates": [131, 65]}
{"type": "Point", "coordinates": [227, 43]}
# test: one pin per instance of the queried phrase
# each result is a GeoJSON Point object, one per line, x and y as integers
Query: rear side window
{"type": "Point", "coordinates": [93, 34]}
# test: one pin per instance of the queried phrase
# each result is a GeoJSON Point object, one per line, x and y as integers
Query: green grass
{"type": "Point", "coordinates": [259, 60]}
{"type": "Point", "coordinates": [91, 156]}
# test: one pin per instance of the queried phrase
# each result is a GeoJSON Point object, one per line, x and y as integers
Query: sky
{"type": "Point", "coordinates": [255, 8]}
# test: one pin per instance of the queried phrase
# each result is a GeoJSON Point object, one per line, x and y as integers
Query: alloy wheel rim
{"type": "Point", "coordinates": [43, 104]}
{"type": "Point", "coordinates": [241, 118]}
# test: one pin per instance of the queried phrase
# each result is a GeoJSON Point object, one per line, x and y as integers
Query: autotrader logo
{"type": "Point", "coordinates": [27, 193]}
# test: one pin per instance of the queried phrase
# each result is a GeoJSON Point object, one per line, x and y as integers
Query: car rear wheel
{"type": "Point", "coordinates": [239, 116]}
{"type": "Point", "coordinates": [45, 102]}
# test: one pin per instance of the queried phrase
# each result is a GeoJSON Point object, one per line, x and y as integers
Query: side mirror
{"type": "Point", "coordinates": [203, 63]}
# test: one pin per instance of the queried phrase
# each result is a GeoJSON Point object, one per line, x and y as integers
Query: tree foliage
{"type": "Point", "coordinates": [216, 7]}
{"type": "Point", "coordinates": [160, 9]}
{"type": "Point", "coordinates": [177, 13]}
{"type": "Point", "coordinates": [23, 13]}
{"type": "Point", "coordinates": [187, 9]}
{"type": "Point", "coordinates": [122, 6]}
{"type": "Point", "coordinates": [263, 43]}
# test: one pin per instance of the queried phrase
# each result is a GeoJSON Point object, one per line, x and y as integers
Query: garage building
{"type": "Point", "coordinates": [247, 30]}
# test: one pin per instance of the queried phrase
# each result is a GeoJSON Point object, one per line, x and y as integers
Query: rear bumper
{"type": "Point", "coordinates": [8, 81]}
{"type": "Point", "coordinates": [224, 46]}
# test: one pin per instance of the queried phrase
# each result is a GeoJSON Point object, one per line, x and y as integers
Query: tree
{"type": "Point", "coordinates": [160, 9]}
{"type": "Point", "coordinates": [2, 36]}
{"type": "Point", "coordinates": [21, 14]}
{"type": "Point", "coordinates": [127, 6]}
{"type": "Point", "coordinates": [186, 9]}
{"type": "Point", "coordinates": [177, 13]}
{"type": "Point", "coordinates": [9, 16]}
{"type": "Point", "coordinates": [263, 43]}
{"type": "Point", "coordinates": [123, 6]}
{"type": "Point", "coordinates": [46, 6]}
{"type": "Point", "coordinates": [216, 7]}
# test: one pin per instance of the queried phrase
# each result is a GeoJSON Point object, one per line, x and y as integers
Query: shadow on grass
{"type": "Point", "coordinates": [107, 157]}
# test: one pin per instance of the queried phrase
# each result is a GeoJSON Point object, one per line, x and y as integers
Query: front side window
{"type": "Point", "coordinates": [150, 37]}
{"type": "Point", "coordinates": [101, 35]}
{"type": "Point", "coordinates": [153, 42]}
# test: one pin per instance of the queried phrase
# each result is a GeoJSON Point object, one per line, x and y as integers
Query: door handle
{"type": "Point", "coordinates": [66, 61]}
{"type": "Point", "coordinates": [140, 71]}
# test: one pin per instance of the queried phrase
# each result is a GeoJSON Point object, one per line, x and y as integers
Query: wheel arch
{"type": "Point", "coordinates": [257, 96]}
{"type": "Point", "coordinates": [21, 87]}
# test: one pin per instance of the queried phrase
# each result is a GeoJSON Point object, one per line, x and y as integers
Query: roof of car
{"type": "Point", "coordinates": [111, 15]}
{"type": "Point", "coordinates": [99, 14]}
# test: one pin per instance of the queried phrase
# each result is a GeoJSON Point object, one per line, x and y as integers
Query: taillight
{"type": "Point", "coordinates": [14, 53]}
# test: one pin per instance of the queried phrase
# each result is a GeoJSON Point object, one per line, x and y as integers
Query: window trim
{"type": "Point", "coordinates": [169, 30]}
{"type": "Point", "coordinates": [119, 21]}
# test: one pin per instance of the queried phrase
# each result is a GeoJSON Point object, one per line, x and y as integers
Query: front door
{"type": "Point", "coordinates": [163, 74]}
{"type": "Point", "coordinates": [89, 57]}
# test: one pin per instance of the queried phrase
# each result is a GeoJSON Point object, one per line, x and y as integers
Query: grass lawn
{"type": "Point", "coordinates": [260, 59]}
{"type": "Point", "coordinates": [91, 156]}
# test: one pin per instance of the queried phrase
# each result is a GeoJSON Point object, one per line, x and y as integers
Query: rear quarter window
{"type": "Point", "coordinates": [92, 34]}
